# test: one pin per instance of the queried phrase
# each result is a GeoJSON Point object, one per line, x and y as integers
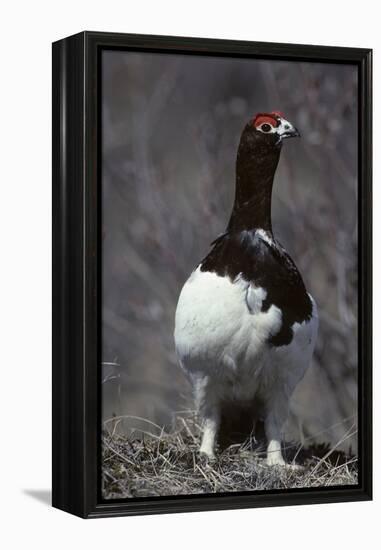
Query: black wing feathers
{"type": "Point", "coordinates": [264, 265]}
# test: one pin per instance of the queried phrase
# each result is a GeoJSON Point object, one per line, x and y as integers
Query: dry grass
{"type": "Point", "coordinates": [168, 463]}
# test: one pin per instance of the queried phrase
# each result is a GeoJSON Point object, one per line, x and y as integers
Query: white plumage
{"type": "Point", "coordinates": [223, 347]}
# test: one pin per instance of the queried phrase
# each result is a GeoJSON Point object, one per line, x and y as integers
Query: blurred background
{"type": "Point", "coordinates": [171, 127]}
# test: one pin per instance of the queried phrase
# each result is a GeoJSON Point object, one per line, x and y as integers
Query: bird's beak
{"type": "Point", "coordinates": [287, 130]}
{"type": "Point", "coordinates": [293, 132]}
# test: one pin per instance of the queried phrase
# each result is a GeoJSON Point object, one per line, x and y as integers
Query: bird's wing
{"type": "Point", "coordinates": [254, 298]}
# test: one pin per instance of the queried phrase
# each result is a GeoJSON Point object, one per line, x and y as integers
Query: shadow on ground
{"type": "Point", "coordinates": [42, 495]}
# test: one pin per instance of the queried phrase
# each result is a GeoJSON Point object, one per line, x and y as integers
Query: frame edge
{"type": "Point", "coordinates": [68, 379]}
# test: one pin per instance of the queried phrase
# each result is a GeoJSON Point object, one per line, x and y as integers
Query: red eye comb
{"type": "Point", "coordinates": [278, 113]}
{"type": "Point", "coordinates": [269, 118]}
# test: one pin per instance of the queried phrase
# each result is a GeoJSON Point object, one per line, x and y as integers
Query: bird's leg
{"type": "Point", "coordinates": [210, 429]}
{"type": "Point", "coordinates": [275, 417]}
{"type": "Point", "coordinates": [208, 409]}
{"type": "Point", "coordinates": [274, 452]}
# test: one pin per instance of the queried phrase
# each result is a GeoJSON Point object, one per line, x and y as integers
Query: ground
{"type": "Point", "coordinates": [169, 464]}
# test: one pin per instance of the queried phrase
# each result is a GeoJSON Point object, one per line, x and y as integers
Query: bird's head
{"type": "Point", "coordinates": [261, 143]}
{"type": "Point", "coordinates": [272, 128]}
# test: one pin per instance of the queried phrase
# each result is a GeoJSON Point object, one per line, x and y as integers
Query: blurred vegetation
{"type": "Point", "coordinates": [171, 127]}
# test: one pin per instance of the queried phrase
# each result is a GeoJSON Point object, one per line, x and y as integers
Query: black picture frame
{"type": "Point", "coordinates": [76, 272]}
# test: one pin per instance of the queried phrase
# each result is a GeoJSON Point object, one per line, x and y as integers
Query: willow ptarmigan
{"type": "Point", "coordinates": [245, 325]}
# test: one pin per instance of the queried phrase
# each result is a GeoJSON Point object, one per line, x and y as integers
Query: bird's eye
{"type": "Point", "coordinates": [266, 127]}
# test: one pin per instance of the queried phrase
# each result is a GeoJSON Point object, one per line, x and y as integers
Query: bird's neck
{"type": "Point", "coordinates": [255, 171]}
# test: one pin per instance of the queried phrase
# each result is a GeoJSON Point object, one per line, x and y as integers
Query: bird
{"type": "Point", "coordinates": [245, 325]}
